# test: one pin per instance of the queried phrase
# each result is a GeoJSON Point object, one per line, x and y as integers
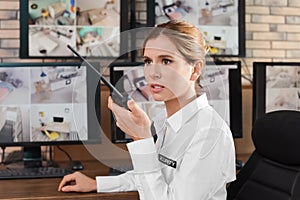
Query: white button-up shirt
{"type": "Point", "coordinates": [193, 160]}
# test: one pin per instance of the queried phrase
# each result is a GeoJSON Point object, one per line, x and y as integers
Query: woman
{"type": "Point", "coordinates": [194, 156]}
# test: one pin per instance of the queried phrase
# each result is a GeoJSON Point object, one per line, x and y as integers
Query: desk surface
{"type": "Point", "coordinates": [47, 188]}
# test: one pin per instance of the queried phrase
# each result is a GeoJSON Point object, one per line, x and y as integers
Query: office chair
{"type": "Point", "coordinates": [273, 170]}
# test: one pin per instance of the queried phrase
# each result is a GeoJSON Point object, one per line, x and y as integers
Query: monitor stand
{"type": "Point", "coordinates": [32, 157]}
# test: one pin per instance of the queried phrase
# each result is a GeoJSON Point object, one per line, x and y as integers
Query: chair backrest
{"type": "Point", "coordinates": [273, 170]}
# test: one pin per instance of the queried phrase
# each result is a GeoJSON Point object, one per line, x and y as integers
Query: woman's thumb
{"type": "Point", "coordinates": [135, 109]}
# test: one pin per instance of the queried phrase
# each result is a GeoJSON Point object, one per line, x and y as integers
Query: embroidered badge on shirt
{"type": "Point", "coordinates": [167, 161]}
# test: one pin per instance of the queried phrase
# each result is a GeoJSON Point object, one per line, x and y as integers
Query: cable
{"type": "Point", "coordinates": [74, 164]}
{"type": "Point", "coordinates": [246, 67]}
{"type": "Point", "coordinates": [67, 154]}
{"type": "Point", "coordinates": [248, 79]}
{"type": "Point", "coordinates": [248, 73]}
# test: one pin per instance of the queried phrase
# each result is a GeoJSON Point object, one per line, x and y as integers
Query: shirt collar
{"type": "Point", "coordinates": [178, 119]}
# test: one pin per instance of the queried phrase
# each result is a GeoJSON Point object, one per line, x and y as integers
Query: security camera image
{"type": "Point", "coordinates": [51, 12]}
{"type": "Point", "coordinates": [56, 123]}
{"type": "Point", "coordinates": [14, 123]}
{"type": "Point", "coordinates": [43, 103]}
{"type": "Point", "coordinates": [50, 41]}
{"type": "Point", "coordinates": [282, 88]}
{"type": "Point", "coordinates": [217, 19]}
{"type": "Point", "coordinates": [92, 27]}
{"type": "Point", "coordinates": [14, 86]}
{"type": "Point", "coordinates": [58, 85]}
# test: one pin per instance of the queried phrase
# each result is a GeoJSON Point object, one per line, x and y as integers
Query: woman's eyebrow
{"type": "Point", "coordinates": [146, 58]}
{"type": "Point", "coordinates": [165, 56]}
{"type": "Point", "coordinates": [160, 56]}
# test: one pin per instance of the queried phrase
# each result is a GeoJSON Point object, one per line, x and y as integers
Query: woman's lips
{"type": "Point", "coordinates": [156, 88]}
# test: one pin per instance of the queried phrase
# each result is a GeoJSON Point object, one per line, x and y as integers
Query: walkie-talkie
{"type": "Point", "coordinates": [118, 97]}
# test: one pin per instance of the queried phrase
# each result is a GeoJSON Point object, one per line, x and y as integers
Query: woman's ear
{"type": "Point", "coordinates": [196, 71]}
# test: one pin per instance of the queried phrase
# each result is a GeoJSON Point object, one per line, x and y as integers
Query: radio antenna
{"type": "Point", "coordinates": [103, 79]}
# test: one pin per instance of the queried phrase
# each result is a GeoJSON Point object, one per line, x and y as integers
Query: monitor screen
{"type": "Point", "coordinates": [276, 86]}
{"type": "Point", "coordinates": [92, 27]}
{"type": "Point", "coordinates": [129, 78]}
{"type": "Point", "coordinates": [221, 82]}
{"type": "Point", "coordinates": [48, 103]}
{"type": "Point", "coordinates": [221, 21]}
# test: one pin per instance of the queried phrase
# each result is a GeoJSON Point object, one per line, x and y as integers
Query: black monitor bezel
{"type": "Point", "coordinates": [259, 86]}
{"type": "Point", "coordinates": [235, 106]}
{"type": "Point", "coordinates": [24, 35]}
{"type": "Point", "coordinates": [93, 104]}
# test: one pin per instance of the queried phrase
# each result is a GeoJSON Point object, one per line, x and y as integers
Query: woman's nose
{"type": "Point", "coordinates": [153, 72]}
{"type": "Point", "coordinates": [155, 75]}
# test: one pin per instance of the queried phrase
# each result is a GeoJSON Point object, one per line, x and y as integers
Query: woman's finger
{"type": "Point", "coordinates": [134, 108]}
{"type": "Point", "coordinates": [109, 104]}
{"type": "Point", "coordinates": [65, 180]}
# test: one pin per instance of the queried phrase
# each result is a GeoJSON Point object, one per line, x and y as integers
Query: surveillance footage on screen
{"type": "Point", "coordinates": [282, 88]}
{"type": "Point", "coordinates": [38, 104]}
{"type": "Point", "coordinates": [217, 19]}
{"type": "Point", "coordinates": [90, 26]}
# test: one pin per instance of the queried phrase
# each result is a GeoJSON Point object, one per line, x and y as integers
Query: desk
{"type": "Point", "coordinates": [47, 188]}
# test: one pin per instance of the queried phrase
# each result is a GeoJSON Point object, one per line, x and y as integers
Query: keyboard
{"type": "Point", "coordinates": [14, 156]}
{"type": "Point", "coordinates": [38, 172]}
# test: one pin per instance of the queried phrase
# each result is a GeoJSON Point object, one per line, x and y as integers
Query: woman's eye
{"type": "Point", "coordinates": [166, 61]}
{"type": "Point", "coordinates": [147, 61]}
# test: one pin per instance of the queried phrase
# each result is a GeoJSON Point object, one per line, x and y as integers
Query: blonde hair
{"type": "Point", "coordinates": [187, 38]}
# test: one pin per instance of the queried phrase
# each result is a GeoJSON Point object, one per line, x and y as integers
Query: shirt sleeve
{"type": "Point", "coordinates": [147, 171]}
{"type": "Point", "coordinates": [127, 181]}
{"type": "Point", "coordinates": [120, 183]}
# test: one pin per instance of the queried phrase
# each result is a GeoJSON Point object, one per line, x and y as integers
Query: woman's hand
{"type": "Point", "coordinates": [134, 122]}
{"type": "Point", "coordinates": [77, 182]}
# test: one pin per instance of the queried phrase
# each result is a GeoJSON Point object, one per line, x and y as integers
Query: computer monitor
{"type": "Point", "coordinates": [221, 21]}
{"type": "Point", "coordinates": [92, 27]}
{"type": "Point", "coordinates": [48, 104]}
{"type": "Point", "coordinates": [127, 78]}
{"type": "Point", "coordinates": [276, 86]}
{"type": "Point", "coordinates": [221, 81]}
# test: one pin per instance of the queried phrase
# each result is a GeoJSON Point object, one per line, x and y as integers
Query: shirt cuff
{"type": "Point", "coordinates": [143, 155]}
{"type": "Point", "coordinates": [108, 184]}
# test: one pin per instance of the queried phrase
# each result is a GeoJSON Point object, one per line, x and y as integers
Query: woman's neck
{"type": "Point", "coordinates": [174, 105]}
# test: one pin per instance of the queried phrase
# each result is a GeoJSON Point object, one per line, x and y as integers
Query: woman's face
{"type": "Point", "coordinates": [168, 74]}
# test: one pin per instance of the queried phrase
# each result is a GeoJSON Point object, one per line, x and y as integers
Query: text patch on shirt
{"type": "Point", "coordinates": [167, 161]}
